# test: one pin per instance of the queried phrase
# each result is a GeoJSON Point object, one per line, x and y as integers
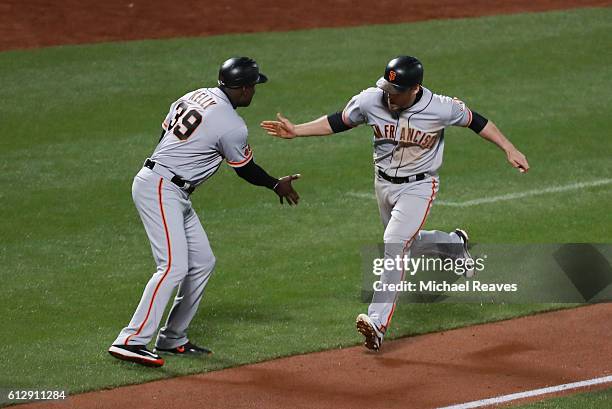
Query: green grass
{"type": "Point", "coordinates": [77, 122]}
{"type": "Point", "coordinates": [588, 400]}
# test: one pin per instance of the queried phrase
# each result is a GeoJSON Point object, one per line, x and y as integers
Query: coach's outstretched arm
{"type": "Point", "coordinates": [284, 128]}
{"type": "Point", "coordinates": [255, 175]}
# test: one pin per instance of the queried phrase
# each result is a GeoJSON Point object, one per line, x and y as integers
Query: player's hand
{"type": "Point", "coordinates": [517, 160]}
{"type": "Point", "coordinates": [284, 190]}
{"type": "Point", "coordinates": [283, 128]}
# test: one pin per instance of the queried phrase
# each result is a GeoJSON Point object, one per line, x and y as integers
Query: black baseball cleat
{"type": "Point", "coordinates": [186, 349]}
{"type": "Point", "coordinates": [469, 273]}
{"type": "Point", "coordinates": [136, 353]}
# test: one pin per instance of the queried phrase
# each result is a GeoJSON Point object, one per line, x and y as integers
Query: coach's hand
{"type": "Point", "coordinates": [284, 190]}
{"type": "Point", "coordinates": [283, 128]}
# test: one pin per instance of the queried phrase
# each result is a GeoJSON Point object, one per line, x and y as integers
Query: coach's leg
{"type": "Point", "coordinates": [191, 290]}
{"type": "Point", "coordinates": [161, 211]}
{"type": "Point", "coordinates": [408, 216]}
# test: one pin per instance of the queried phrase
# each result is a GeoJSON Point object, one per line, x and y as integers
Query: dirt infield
{"type": "Point", "coordinates": [38, 23]}
{"type": "Point", "coordinates": [423, 372]}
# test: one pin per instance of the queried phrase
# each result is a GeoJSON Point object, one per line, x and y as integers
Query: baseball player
{"type": "Point", "coordinates": [201, 130]}
{"type": "Point", "coordinates": [408, 122]}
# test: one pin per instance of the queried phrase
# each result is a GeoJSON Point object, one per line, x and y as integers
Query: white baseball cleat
{"type": "Point", "coordinates": [367, 328]}
{"type": "Point", "coordinates": [469, 260]}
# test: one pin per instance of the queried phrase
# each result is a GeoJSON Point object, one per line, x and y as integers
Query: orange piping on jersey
{"type": "Point", "coordinates": [469, 120]}
{"type": "Point", "coordinates": [242, 162]}
{"type": "Point", "coordinates": [346, 122]}
{"type": "Point", "coordinates": [163, 216]}
{"type": "Point", "coordinates": [407, 245]}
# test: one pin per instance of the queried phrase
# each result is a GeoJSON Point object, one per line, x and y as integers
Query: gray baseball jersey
{"type": "Point", "coordinates": [201, 129]}
{"type": "Point", "coordinates": [406, 144]}
{"type": "Point", "coordinates": [413, 141]}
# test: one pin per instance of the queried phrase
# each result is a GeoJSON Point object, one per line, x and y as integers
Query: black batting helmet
{"type": "Point", "coordinates": [401, 74]}
{"type": "Point", "coordinates": [240, 71]}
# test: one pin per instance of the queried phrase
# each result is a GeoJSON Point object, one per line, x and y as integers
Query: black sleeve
{"type": "Point", "coordinates": [254, 174]}
{"type": "Point", "coordinates": [336, 123]}
{"type": "Point", "coordinates": [478, 122]}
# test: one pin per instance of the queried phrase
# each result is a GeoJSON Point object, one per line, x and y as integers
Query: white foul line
{"type": "Point", "coordinates": [510, 196]}
{"type": "Point", "coordinates": [529, 394]}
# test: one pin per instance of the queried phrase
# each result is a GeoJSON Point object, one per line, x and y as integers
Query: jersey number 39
{"type": "Point", "coordinates": [184, 122]}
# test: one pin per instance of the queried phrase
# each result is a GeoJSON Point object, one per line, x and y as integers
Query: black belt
{"type": "Point", "coordinates": [401, 179]}
{"type": "Point", "coordinates": [177, 180]}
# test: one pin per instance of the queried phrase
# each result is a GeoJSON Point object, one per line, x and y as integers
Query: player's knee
{"type": "Point", "coordinates": [396, 245]}
{"type": "Point", "coordinates": [172, 274]}
{"type": "Point", "coordinates": [209, 264]}
{"type": "Point", "coordinates": [394, 239]}
{"type": "Point", "coordinates": [178, 270]}
{"type": "Point", "coordinates": [203, 266]}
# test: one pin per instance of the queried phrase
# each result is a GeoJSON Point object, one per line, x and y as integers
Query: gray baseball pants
{"type": "Point", "coordinates": [183, 257]}
{"type": "Point", "coordinates": [403, 210]}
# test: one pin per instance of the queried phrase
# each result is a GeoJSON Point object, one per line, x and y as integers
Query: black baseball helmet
{"type": "Point", "coordinates": [240, 71]}
{"type": "Point", "coordinates": [401, 74]}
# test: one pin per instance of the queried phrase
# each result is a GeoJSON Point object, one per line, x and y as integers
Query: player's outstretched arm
{"type": "Point", "coordinates": [254, 174]}
{"type": "Point", "coordinates": [491, 133]}
{"type": "Point", "coordinates": [284, 128]}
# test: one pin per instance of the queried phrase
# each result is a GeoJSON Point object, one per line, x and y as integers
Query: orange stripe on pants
{"type": "Point", "coordinates": [409, 243]}
{"type": "Point", "coordinates": [163, 216]}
